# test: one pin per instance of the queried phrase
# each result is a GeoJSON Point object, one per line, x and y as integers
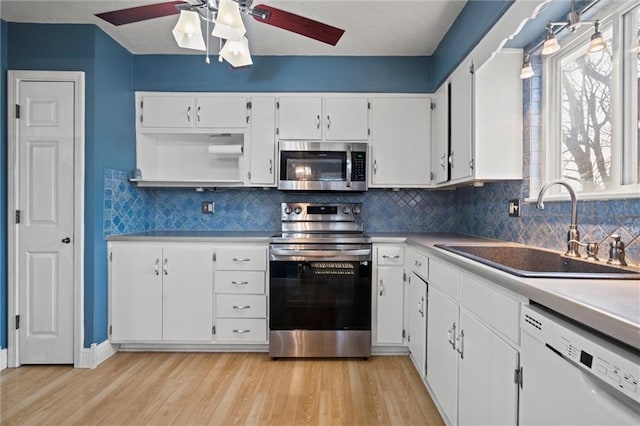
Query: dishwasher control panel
{"type": "Point", "coordinates": [612, 364]}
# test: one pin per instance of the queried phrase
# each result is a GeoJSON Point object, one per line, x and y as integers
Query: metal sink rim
{"type": "Point", "coordinates": [623, 275]}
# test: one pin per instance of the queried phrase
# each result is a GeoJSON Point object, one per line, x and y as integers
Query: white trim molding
{"type": "Point", "coordinates": [14, 78]}
{"type": "Point", "coordinates": [97, 354]}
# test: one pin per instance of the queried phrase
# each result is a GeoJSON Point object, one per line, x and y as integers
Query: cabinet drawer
{"type": "Point", "coordinates": [496, 308]}
{"type": "Point", "coordinates": [241, 306]}
{"type": "Point", "coordinates": [240, 282]}
{"type": "Point", "coordinates": [445, 277]}
{"type": "Point", "coordinates": [241, 330]}
{"type": "Point", "coordinates": [241, 258]}
{"type": "Point", "coordinates": [390, 255]}
{"type": "Point", "coordinates": [418, 263]}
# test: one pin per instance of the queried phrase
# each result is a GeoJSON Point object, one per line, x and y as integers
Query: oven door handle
{"type": "Point", "coordinates": [320, 253]}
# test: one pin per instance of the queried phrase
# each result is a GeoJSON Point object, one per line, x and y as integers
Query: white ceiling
{"type": "Point", "coordinates": [372, 27]}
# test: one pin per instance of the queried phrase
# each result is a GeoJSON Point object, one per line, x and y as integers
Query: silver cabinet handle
{"type": "Point", "coordinates": [270, 167]}
{"type": "Point", "coordinates": [397, 256]}
{"type": "Point", "coordinates": [244, 259]}
{"type": "Point", "coordinates": [318, 122]}
{"type": "Point", "coordinates": [381, 287]}
{"type": "Point", "coordinates": [241, 306]}
{"type": "Point", "coordinates": [198, 114]}
{"type": "Point", "coordinates": [421, 307]}
{"type": "Point", "coordinates": [239, 282]}
{"type": "Point", "coordinates": [460, 344]}
{"type": "Point", "coordinates": [451, 159]}
{"type": "Point", "coordinates": [189, 114]}
{"type": "Point", "coordinates": [241, 330]}
{"type": "Point", "coordinates": [328, 122]}
{"type": "Point", "coordinates": [375, 166]}
{"type": "Point", "coordinates": [442, 161]}
{"type": "Point", "coordinates": [155, 267]}
{"type": "Point", "coordinates": [164, 266]}
{"type": "Point", "coordinates": [450, 334]}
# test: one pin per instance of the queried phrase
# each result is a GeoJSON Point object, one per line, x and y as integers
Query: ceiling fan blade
{"type": "Point", "coordinates": [140, 13]}
{"type": "Point", "coordinates": [297, 24]}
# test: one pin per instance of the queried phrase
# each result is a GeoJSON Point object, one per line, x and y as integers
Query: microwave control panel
{"type": "Point", "coordinates": [358, 166]}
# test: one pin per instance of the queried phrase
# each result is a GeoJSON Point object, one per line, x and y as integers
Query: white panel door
{"type": "Point", "coordinates": [417, 318]}
{"type": "Point", "coordinates": [440, 136]}
{"type": "Point", "coordinates": [167, 111]}
{"type": "Point", "coordinates": [229, 112]}
{"type": "Point", "coordinates": [346, 119]}
{"type": "Point", "coordinates": [45, 233]}
{"type": "Point", "coordinates": [442, 374]}
{"type": "Point", "coordinates": [300, 118]}
{"type": "Point", "coordinates": [487, 392]}
{"type": "Point", "coordinates": [461, 122]}
{"type": "Point", "coordinates": [389, 319]}
{"type": "Point", "coordinates": [263, 142]}
{"type": "Point", "coordinates": [187, 308]}
{"type": "Point", "coordinates": [136, 292]}
{"type": "Point", "coordinates": [400, 142]}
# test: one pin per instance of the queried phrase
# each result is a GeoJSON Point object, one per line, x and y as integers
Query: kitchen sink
{"type": "Point", "coordinates": [535, 262]}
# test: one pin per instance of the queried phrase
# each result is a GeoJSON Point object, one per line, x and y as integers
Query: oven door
{"type": "Point", "coordinates": [320, 288]}
{"type": "Point", "coordinates": [321, 166]}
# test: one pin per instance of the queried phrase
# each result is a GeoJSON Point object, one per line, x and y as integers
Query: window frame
{"type": "Point", "coordinates": [622, 123]}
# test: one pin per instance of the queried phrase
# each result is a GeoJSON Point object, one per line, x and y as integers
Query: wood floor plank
{"type": "Point", "coordinates": [218, 388]}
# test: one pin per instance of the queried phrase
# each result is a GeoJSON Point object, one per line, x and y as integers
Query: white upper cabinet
{"type": "Point", "coordinates": [460, 157]}
{"type": "Point", "coordinates": [440, 136]}
{"type": "Point", "coordinates": [400, 142]}
{"type": "Point", "coordinates": [177, 111]}
{"type": "Point", "coordinates": [262, 169]}
{"type": "Point", "coordinates": [316, 118]}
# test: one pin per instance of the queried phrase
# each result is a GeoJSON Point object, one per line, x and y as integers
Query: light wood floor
{"type": "Point", "coordinates": [219, 389]}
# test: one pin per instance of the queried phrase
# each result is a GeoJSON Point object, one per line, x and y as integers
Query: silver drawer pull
{"type": "Point", "coordinates": [241, 306]}
{"type": "Point", "coordinates": [244, 259]}
{"type": "Point", "coordinates": [240, 283]}
{"type": "Point", "coordinates": [397, 256]}
{"type": "Point", "coordinates": [241, 330]}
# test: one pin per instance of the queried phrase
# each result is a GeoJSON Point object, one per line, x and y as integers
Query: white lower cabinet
{"type": "Point", "coordinates": [160, 292]}
{"type": "Point", "coordinates": [389, 297]}
{"type": "Point", "coordinates": [472, 359]}
{"type": "Point", "coordinates": [417, 322]}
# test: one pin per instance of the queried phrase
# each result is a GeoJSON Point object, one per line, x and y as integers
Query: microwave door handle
{"type": "Point", "coordinates": [349, 166]}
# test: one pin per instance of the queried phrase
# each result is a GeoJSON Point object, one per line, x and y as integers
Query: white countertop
{"type": "Point", "coordinates": [200, 236]}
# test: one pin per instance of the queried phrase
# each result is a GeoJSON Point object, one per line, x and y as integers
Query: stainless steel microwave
{"type": "Point", "coordinates": [322, 166]}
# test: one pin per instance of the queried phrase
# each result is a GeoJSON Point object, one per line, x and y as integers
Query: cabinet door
{"type": "Point", "coordinates": [228, 112]}
{"type": "Point", "coordinates": [400, 146]}
{"type": "Point", "coordinates": [487, 392]}
{"type": "Point", "coordinates": [440, 136]}
{"type": "Point", "coordinates": [187, 273]}
{"type": "Point", "coordinates": [442, 373]}
{"type": "Point", "coordinates": [263, 142]}
{"type": "Point", "coordinates": [417, 317]}
{"type": "Point", "coordinates": [300, 118]}
{"type": "Point", "coordinates": [164, 111]}
{"type": "Point", "coordinates": [136, 293]}
{"type": "Point", "coordinates": [461, 122]}
{"type": "Point", "coordinates": [346, 119]}
{"type": "Point", "coordinates": [390, 297]}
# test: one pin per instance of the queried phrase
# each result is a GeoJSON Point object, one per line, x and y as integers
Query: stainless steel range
{"type": "Point", "coordinates": [320, 282]}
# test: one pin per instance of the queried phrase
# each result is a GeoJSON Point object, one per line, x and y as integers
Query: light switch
{"type": "Point", "coordinates": [208, 207]}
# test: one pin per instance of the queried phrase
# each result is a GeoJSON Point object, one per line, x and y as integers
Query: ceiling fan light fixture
{"type": "Point", "coordinates": [187, 32]}
{"type": "Point", "coordinates": [229, 25]}
{"type": "Point", "coordinates": [237, 53]}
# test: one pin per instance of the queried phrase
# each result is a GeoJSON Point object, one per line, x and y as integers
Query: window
{"type": "Point", "coordinates": [593, 109]}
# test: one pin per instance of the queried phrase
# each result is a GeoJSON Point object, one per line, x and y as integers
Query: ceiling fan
{"type": "Point", "coordinates": [225, 16]}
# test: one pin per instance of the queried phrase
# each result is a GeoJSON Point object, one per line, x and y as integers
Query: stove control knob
{"type": "Point", "coordinates": [356, 209]}
{"type": "Point", "coordinates": [346, 210]}
{"type": "Point", "coordinates": [287, 210]}
{"type": "Point", "coordinates": [298, 210]}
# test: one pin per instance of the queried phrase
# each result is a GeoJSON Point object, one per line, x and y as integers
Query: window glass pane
{"type": "Point", "coordinates": [586, 117]}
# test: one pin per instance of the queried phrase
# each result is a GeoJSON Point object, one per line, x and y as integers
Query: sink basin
{"type": "Point", "coordinates": [526, 261]}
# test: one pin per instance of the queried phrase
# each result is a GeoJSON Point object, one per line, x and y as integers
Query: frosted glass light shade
{"type": "Point", "coordinates": [237, 53]}
{"type": "Point", "coordinates": [597, 43]}
{"type": "Point", "coordinates": [187, 32]}
{"type": "Point", "coordinates": [229, 25]}
{"type": "Point", "coordinates": [550, 45]}
{"type": "Point", "coordinates": [527, 71]}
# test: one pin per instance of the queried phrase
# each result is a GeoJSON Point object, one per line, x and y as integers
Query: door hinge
{"type": "Point", "coordinates": [517, 376]}
{"type": "Point", "coordinates": [431, 176]}
{"type": "Point", "coordinates": [277, 130]}
{"type": "Point", "coordinates": [111, 256]}
{"type": "Point", "coordinates": [409, 339]}
{"type": "Point", "coordinates": [277, 104]}
{"type": "Point", "coordinates": [141, 104]}
{"type": "Point", "coordinates": [404, 276]}
{"type": "Point", "coordinates": [110, 330]}
{"type": "Point", "coordinates": [17, 216]}
{"type": "Point", "coordinates": [472, 68]}
{"type": "Point", "coordinates": [141, 119]}
{"type": "Point", "coordinates": [213, 257]}
{"type": "Point", "coordinates": [17, 322]}
{"type": "Point", "coordinates": [368, 105]}
{"type": "Point", "coordinates": [471, 165]}
{"type": "Point", "coordinates": [249, 175]}
{"type": "Point", "coordinates": [17, 111]}
{"type": "Point", "coordinates": [213, 330]}
{"type": "Point", "coordinates": [368, 132]}
{"type": "Point", "coordinates": [404, 333]}
{"type": "Point", "coordinates": [249, 105]}
{"type": "Point", "coordinates": [433, 105]}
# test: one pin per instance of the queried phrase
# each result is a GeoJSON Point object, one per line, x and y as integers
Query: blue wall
{"type": "Point", "coordinates": [3, 185]}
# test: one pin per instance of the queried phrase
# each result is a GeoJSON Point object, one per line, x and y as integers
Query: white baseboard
{"type": "Point", "coordinates": [97, 354]}
{"type": "Point", "coordinates": [3, 359]}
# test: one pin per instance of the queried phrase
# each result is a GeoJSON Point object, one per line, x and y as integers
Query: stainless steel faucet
{"type": "Point", "coordinates": [573, 236]}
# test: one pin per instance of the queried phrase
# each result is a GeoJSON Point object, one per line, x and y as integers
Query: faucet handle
{"type": "Point", "coordinates": [616, 251]}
